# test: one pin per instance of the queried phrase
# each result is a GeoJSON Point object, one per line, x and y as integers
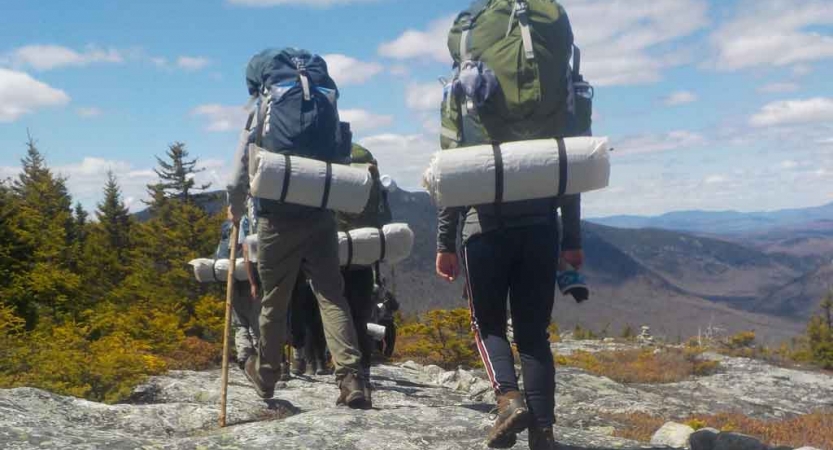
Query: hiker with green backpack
{"type": "Point", "coordinates": [360, 281]}
{"type": "Point", "coordinates": [513, 82]}
{"type": "Point", "coordinates": [296, 116]}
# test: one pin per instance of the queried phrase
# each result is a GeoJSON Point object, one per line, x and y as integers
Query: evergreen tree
{"type": "Point", "coordinates": [820, 334]}
{"type": "Point", "coordinates": [45, 224]}
{"type": "Point", "coordinates": [114, 219]}
{"type": "Point", "coordinates": [176, 176]}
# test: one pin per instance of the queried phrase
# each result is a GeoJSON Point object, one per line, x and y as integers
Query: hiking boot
{"type": "Point", "coordinates": [541, 438]}
{"type": "Point", "coordinates": [512, 418]}
{"type": "Point", "coordinates": [285, 372]}
{"type": "Point", "coordinates": [298, 365]}
{"type": "Point", "coordinates": [352, 392]}
{"type": "Point", "coordinates": [250, 370]}
{"type": "Point", "coordinates": [321, 367]}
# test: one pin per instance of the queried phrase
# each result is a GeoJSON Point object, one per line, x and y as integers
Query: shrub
{"type": "Point", "coordinates": [441, 337]}
{"type": "Point", "coordinates": [641, 366]}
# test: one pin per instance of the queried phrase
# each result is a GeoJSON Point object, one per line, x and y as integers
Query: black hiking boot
{"type": "Point", "coordinates": [321, 367]}
{"type": "Point", "coordinates": [541, 438]}
{"type": "Point", "coordinates": [512, 418]}
{"type": "Point", "coordinates": [352, 392]}
{"type": "Point", "coordinates": [265, 392]}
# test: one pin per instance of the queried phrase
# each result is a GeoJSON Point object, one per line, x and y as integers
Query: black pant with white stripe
{"type": "Point", "coordinates": [519, 264]}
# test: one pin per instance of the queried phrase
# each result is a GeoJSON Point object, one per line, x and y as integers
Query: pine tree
{"type": "Point", "coordinates": [177, 175]}
{"type": "Point", "coordinates": [820, 334]}
{"type": "Point", "coordinates": [45, 224]}
{"type": "Point", "coordinates": [114, 218]}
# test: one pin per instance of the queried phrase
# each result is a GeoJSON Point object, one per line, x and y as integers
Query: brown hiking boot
{"type": "Point", "coordinates": [512, 418]}
{"type": "Point", "coordinates": [541, 438]}
{"type": "Point", "coordinates": [251, 373]}
{"type": "Point", "coordinates": [352, 392]}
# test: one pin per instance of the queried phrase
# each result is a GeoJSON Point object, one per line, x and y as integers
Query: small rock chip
{"type": "Point", "coordinates": [411, 365]}
{"type": "Point", "coordinates": [672, 435]}
{"type": "Point", "coordinates": [736, 441]}
{"type": "Point", "coordinates": [703, 439]}
{"type": "Point", "coordinates": [807, 448]}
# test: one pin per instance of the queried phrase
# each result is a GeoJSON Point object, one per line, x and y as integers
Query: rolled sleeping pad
{"type": "Point", "coordinates": [216, 270]}
{"type": "Point", "coordinates": [376, 331]}
{"type": "Point", "coordinates": [307, 182]}
{"type": "Point", "coordinates": [364, 246]}
{"type": "Point", "coordinates": [515, 171]}
{"type": "Point", "coordinates": [367, 246]}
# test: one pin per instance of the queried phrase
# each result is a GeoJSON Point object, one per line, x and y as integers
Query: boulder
{"type": "Point", "coordinates": [703, 439]}
{"type": "Point", "coordinates": [673, 435]}
{"type": "Point", "coordinates": [737, 441]}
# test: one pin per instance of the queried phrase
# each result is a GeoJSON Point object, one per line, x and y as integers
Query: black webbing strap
{"type": "Point", "coordinates": [214, 270]}
{"type": "Point", "coordinates": [383, 244]}
{"type": "Point", "coordinates": [328, 181]}
{"type": "Point", "coordinates": [349, 250]}
{"type": "Point", "coordinates": [287, 173]}
{"type": "Point", "coordinates": [499, 181]}
{"type": "Point", "coordinates": [562, 166]}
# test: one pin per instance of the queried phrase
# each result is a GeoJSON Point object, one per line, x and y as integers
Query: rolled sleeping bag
{"type": "Point", "coordinates": [307, 182]}
{"type": "Point", "coordinates": [515, 171]}
{"type": "Point", "coordinates": [367, 246]}
{"type": "Point", "coordinates": [376, 331]}
{"type": "Point", "coordinates": [216, 270]}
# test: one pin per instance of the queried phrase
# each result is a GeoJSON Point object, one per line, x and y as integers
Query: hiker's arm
{"type": "Point", "coordinates": [238, 186]}
{"type": "Point", "coordinates": [250, 271]}
{"type": "Point", "coordinates": [448, 222]}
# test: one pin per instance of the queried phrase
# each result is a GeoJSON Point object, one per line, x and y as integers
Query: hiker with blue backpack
{"type": "Point", "coordinates": [513, 82]}
{"type": "Point", "coordinates": [296, 123]}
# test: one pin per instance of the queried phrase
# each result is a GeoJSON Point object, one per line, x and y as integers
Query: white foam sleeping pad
{"type": "Point", "coordinates": [367, 246]}
{"type": "Point", "coordinates": [307, 182]}
{"type": "Point", "coordinates": [216, 270]}
{"type": "Point", "coordinates": [514, 171]}
{"type": "Point", "coordinates": [376, 331]}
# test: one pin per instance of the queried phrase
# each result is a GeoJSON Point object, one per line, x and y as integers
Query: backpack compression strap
{"type": "Point", "coordinates": [562, 166]}
{"type": "Point", "coordinates": [520, 10]}
{"type": "Point", "coordinates": [349, 250]}
{"type": "Point", "coordinates": [328, 182]}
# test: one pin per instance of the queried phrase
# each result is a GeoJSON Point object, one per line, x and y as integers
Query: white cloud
{"type": "Point", "coordinates": [88, 112]}
{"type": "Point", "coordinates": [774, 33]}
{"type": "Point", "coordinates": [625, 43]}
{"type": "Point", "coordinates": [21, 94]}
{"type": "Point", "coordinates": [424, 96]}
{"type": "Point", "coordinates": [794, 112]}
{"type": "Point", "coordinates": [404, 157]}
{"type": "Point", "coordinates": [192, 63]}
{"type": "Point", "coordinates": [715, 179]}
{"type": "Point", "coordinates": [429, 44]}
{"type": "Point", "coordinates": [680, 98]}
{"type": "Point", "coordinates": [778, 88]}
{"type": "Point", "coordinates": [654, 143]}
{"type": "Point", "coordinates": [362, 120]}
{"type": "Point", "coordinates": [315, 3]}
{"type": "Point", "coordinates": [47, 57]}
{"type": "Point", "coordinates": [221, 117]}
{"type": "Point", "coordinates": [350, 71]}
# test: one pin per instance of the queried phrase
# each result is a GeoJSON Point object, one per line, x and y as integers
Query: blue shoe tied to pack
{"type": "Point", "coordinates": [572, 282]}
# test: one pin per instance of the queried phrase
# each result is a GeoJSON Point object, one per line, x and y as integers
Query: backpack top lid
{"type": "Point", "coordinates": [273, 66]}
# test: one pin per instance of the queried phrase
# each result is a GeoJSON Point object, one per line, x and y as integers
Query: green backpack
{"type": "Point", "coordinates": [377, 212]}
{"type": "Point", "coordinates": [520, 51]}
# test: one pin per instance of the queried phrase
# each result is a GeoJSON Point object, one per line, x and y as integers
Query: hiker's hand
{"type": "Point", "coordinates": [254, 292]}
{"type": "Point", "coordinates": [448, 266]}
{"type": "Point", "coordinates": [574, 258]}
{"type": "Point", "coordinates": [235, 216]}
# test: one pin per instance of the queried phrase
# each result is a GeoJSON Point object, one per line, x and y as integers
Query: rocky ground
{"type": "Point", "coordinates": [415, 407]}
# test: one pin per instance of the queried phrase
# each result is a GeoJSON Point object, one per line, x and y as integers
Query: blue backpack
{"type": "Point", "coordinates": [297, 112]}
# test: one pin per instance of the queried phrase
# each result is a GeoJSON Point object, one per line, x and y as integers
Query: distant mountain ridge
{"type": "Point", "coordinates": [724, 222]}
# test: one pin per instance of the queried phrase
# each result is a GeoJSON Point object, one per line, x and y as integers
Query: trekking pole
{"type": "Point", "coordinates": [235, 234]}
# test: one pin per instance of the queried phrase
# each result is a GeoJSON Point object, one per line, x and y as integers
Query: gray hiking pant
{"type": "Point", "coordinates": [244, 320]}
{"type": "Point", "coordinates": [308, 243]}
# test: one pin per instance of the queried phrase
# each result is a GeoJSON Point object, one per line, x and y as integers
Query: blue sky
{"type": "Point", "coordinates": [710, 105]}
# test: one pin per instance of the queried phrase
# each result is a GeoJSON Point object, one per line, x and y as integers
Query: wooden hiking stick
{"type": "Point", "coordinates": [235, 235]}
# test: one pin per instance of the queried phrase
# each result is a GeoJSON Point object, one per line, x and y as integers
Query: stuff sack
{"type": "Point", "coordinates": [308, 182]}
{"type": "Point", "coordinates": [297, 112]}
{"type": "Point", "coordinates": [515, 171]}
{"type": "Point", "coordinates": [366, 246]}
{"type": "Point", "coordinates": [216, 270]}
